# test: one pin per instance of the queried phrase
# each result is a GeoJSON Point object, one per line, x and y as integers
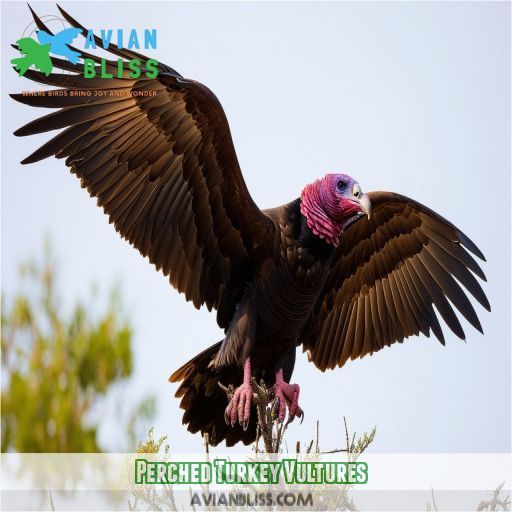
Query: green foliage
{"type": "Point", "coordinates": [58, 367]}
{"type": "Point", "coordinates": [152, 445]}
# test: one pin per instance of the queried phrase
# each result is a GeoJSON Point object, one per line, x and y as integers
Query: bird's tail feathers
{"type": "Point", "coordinates": [204, 402]}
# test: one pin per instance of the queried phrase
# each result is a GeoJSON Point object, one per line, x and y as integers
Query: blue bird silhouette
{"type": "Point", "coordinates": [59, 42]}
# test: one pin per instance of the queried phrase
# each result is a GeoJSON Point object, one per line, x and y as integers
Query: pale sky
{"type": "Point", "coordinates": [408, 97]}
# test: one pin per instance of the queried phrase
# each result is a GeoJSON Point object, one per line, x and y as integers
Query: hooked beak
{"type": "Point", "coordinates": [360, 206]}
{"type": "Point", "coordinates": [363, 200]}
{"type": "Point", "coordinates": [366, 205]}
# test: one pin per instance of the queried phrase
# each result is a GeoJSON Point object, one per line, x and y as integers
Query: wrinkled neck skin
{"type": "Point", "coordinates": [314, 201]}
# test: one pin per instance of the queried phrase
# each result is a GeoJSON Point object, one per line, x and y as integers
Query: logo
{"type": "Point", "coordinates": [38, 52]}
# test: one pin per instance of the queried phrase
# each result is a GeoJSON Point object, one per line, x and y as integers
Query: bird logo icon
{"type": "Point", "coordinates": [37, 53]}
{"type": "Point", "coordinates": [33, 54]}
{"type": "Point", "coordinates": [60, 41]}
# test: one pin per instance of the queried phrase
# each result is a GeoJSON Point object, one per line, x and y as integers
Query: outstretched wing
{"type": "Point", "coordinates": [158, 155]}
{"type": "Point", "coordinates": [388, 274]}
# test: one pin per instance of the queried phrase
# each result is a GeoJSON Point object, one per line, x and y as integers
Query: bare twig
{"type": "Point", "coordinates": [206, 441]}
{"type": "Point", "coordinates": [434, 504]}
{"type": "Point", "coordinates": [50, 498]}
{"type": "Point", "coordinates": [495, 503]}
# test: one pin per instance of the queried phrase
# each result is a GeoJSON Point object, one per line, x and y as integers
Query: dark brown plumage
{"type": "Point", "coordinates": [388, 273]}
{"type": "Point", "coordinates": [164, 169]}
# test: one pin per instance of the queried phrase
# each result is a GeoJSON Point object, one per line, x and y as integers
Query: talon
{"type": "Point", "coordinates": [287, 397]}
{"type": "Point", "coordinates": [239, 407]}
{"type": "Point", "coordinates": [281, 403]}
{"type": "Point", "coordinates": [234, 406]}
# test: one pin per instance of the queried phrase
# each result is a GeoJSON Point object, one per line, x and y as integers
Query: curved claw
{"type": "Point", "coordinates": [299, 413]}
{"type": "Point", "coordinates": [287, 397]}
{"type": "Point", "coordinates": [239, 407]}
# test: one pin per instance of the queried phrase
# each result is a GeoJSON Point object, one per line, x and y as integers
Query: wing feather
{"type": "Point", "coordinates": [390, 278]}
{"type": "Point", "coordinates": [164, 169]}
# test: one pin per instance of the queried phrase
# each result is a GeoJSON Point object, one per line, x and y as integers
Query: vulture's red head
{"type": "Point", "coordinates": [331, 204]}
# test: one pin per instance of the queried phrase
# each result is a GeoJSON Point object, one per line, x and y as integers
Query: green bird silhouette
{"type": "Point", "coordinates": [34, 54]}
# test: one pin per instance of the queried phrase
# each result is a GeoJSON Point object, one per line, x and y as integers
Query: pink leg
{"type": "Point", "coordinates": [239, 407]}
{"type": "Point", "coordinates": [287, 397]}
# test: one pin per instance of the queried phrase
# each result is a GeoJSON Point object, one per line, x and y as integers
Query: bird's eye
{"type": "Point", "coordinates": [341, 186]}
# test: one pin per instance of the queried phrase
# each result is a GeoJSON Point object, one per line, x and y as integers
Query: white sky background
{"type": "Point", "coordinates": [408, 97]}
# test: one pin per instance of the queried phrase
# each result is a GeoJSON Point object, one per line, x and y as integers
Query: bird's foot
{"type": "Point", "coordinates": [287, 397]}
{"type": "Point", "coordinates": [239, 407]}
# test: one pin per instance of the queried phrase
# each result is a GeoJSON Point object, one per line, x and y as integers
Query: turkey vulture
{"type": "Point", "coordinates": [336, 271]}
